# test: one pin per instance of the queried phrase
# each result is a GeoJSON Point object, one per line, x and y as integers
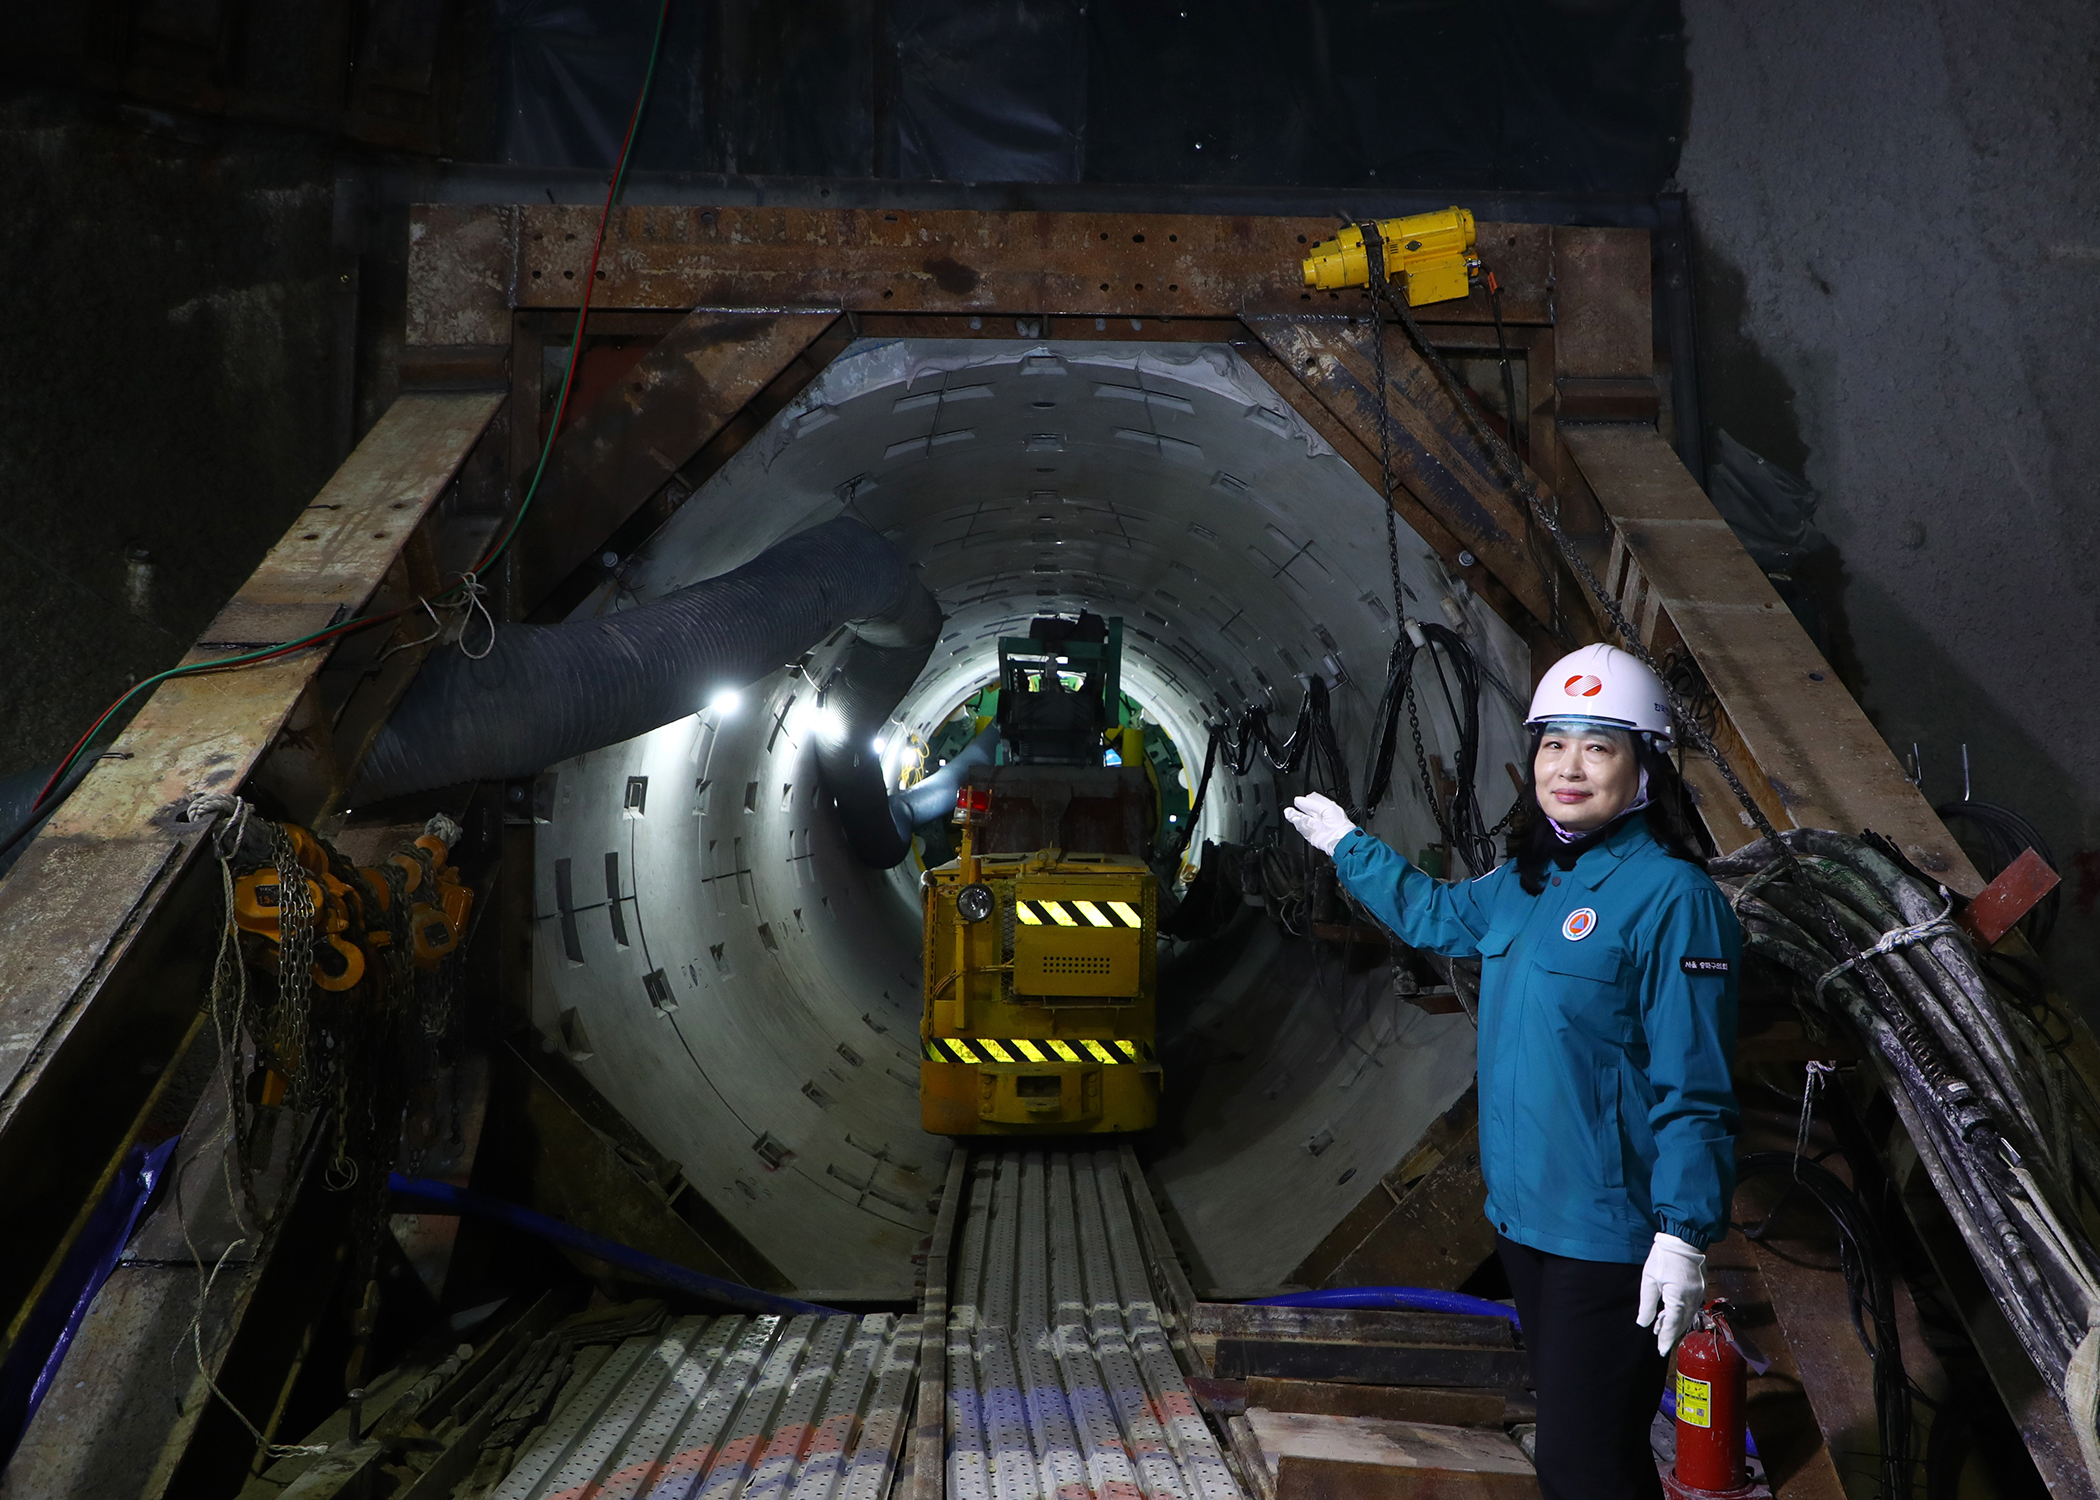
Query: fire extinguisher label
{"type": "Point", "coordinates": [1694, 1402]}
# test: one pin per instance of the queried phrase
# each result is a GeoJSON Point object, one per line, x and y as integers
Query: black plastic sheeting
{"type": "Point", "coordinates": [1583, 96]}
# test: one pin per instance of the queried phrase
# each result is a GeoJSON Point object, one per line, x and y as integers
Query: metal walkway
{"type": "Point", "coordinates": [731, 1408]}
{"type": "Point", "coordinates": [1061, 1384]}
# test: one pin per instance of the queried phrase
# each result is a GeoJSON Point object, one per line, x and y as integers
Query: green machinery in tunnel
{"type": "Point", "coordinates": [1041, 934]}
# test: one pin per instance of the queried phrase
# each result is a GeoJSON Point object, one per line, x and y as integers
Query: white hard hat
{"type": "Point", "coordinates": [1602, 685]}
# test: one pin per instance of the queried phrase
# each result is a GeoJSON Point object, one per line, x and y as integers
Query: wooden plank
{"type": "Point", "coordinates": [1343, 1458]}
{"type": "Point", "coordinates": [1603, 303]}
{"type": "Point", "coordinates": [1433, 454]}
{"type": "Point", "coordinates": [1216, 1320]}
{"type": "Point", "coordinates": [1810, 740]}
{"type": "Point", "coordinates": [1335, 1479]}
{"type": "Point", "coordinates": [1443, 1406]}
{"type": "Point", "coordinates": [1371, 1364]}
{"type": "Point", "coordinates": [1605, 327]}
{"type": "Point", "coordinates": [469, 265]}
{"type": "Point", "coordinates": [1779, 1406]}
{"type": "Point", "coordinates": [644, 429]}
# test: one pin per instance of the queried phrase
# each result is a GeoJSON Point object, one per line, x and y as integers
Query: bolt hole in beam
{"type": "Point", "coordinates": [1184, 495]}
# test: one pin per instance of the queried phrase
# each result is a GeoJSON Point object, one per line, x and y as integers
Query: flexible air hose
{"type": "Point", "coordinates": [934, 797]}
{"type": "Point", "coordinates": [544, 693]}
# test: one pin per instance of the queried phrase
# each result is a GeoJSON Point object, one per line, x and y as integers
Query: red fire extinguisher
{"type": "Point", "coordinates": [1710, 1399]}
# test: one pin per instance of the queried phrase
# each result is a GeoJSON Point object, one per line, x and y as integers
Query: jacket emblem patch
{"type": "Point", "coordinates": [1580, 923]}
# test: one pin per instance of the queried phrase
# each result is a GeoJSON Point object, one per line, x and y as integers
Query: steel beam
{"type": "Point", "coordinates": [642, 431]}
{"type": "Point", "coordinates": [469, 266]}
{"type": "Point", "coordinates": [1434, 456]}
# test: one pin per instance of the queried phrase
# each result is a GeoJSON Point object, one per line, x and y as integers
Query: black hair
{"type": "Point", "coordinates": [1673, 819]}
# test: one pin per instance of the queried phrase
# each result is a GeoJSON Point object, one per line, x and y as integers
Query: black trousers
{"type": "Point", "coordinates": [1596, 1373]}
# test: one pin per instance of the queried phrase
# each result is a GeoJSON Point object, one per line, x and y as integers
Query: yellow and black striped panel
{"type": "Point", "coordinates": [1107, 1051]}
{"type": "Point", "coordinates": [1041, 912]}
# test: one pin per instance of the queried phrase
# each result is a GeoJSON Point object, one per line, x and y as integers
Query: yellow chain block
{"type": "Point", "coordinates": [1430, 255]}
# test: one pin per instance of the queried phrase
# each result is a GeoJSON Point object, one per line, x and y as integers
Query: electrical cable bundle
{"type": "Point", "coordinates": [2005, 1129]}
{"type": "Point", "coordinates": [1864, 1261]}
{"type": "Point", "coordinates": [1312, 743]}
{"type": "Point", "coordinates": [1460, 820]}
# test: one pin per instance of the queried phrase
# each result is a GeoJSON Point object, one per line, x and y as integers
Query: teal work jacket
{"type": "Point", "coordinates": [1607, 1024]}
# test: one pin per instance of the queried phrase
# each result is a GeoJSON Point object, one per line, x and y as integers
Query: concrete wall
{"type": "Point", "coordinates": [1898, 255]}
{"type": "Point", "coordinates": [177, 384]}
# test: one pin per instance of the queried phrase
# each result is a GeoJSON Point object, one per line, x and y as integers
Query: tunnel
{"type": "Point", "coordinates": [713, 959]}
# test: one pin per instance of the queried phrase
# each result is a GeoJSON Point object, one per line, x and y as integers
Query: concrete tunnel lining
{"type": "Point", "coordinates": [748, 995]}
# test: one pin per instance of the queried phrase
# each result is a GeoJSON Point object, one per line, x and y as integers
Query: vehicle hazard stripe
{"type": "Point", "coordinates": [1040, 913]}
{"type": "Point", "coordinates": [975, 1051]}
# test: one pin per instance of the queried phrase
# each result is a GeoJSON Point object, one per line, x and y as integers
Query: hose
{"type": "Point", "coordinates": [544, 693]}
{"type": "Point", "coordinates": [1409, 1298]}
{"type": "Point", "coordinates": [934, 797]}
{"type": "Point", "coordinates": [21, 814]}
{"type": "Point", "coordinates": [2003, 1128]}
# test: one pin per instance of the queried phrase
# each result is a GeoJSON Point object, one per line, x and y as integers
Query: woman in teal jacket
{"type": "Point", "coordinates": [1607, 1026]}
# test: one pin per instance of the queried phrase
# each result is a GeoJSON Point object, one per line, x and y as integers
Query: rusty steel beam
{"type": "Point", "coordinates": [1439, 538]}
{"type": "Point", "coordinates": [470, 266]}
{"type": "Point", "coordinates": [1434, 455]}
{"type": "Point", "coordinates": [643, 430]}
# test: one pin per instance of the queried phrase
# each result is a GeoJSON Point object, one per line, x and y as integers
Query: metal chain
{"type": "Point", "coordinates": [1374, 252]}
{"type": "Point", "coordinates": [1436, 806]}
{"type": "Point", "coordinates": [291, 1034]}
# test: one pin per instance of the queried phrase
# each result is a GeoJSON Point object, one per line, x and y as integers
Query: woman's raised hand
{"type": "Point", "coordinates": [1320, 820]}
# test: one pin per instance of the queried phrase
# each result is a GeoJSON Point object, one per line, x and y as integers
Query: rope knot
{"type": "Point", "coordinates": [1900, 937]}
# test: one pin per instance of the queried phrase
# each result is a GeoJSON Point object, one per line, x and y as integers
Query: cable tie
{"type": "Point", "coordinates": [1901, 937]}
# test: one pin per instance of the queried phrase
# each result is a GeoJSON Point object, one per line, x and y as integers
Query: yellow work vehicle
{"type": "Point", "coordinates": [1040, 935]}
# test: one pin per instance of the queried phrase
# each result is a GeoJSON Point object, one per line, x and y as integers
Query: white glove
{"type": "Point", "coordinates": [1673, 1286]}
{"type": "Point", "coordinates": [1321, 821]}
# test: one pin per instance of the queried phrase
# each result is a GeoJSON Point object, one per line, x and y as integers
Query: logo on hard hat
{"type": "Point", "coordinates": [1581, 922]}
{"type": "Point", "coordinates": [1583, 686]}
